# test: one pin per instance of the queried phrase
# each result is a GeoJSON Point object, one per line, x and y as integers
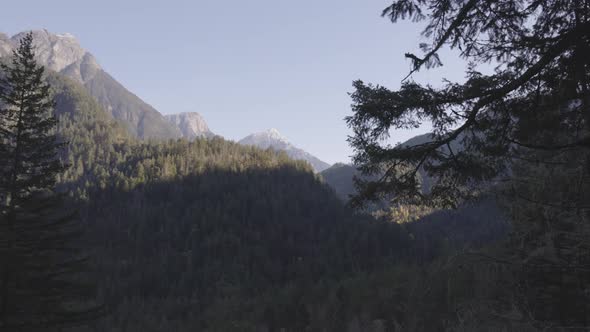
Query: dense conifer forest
{"type": "Point", "coordinates": [209, 229]}
{"type": "Point", "coordinates": [482, 225]}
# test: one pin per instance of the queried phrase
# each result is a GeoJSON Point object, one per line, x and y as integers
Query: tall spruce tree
{"type": "Point", "coordinates": [40, 285]}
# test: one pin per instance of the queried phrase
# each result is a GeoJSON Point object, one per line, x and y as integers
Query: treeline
{"type": "Point", "coordinates": [210, 235]}
{"type": "Point", "coordinates": [207, 234]}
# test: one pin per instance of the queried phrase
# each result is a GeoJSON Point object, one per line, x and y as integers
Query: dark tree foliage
{"type": "Point", "coordinates": [209, 235]}
{"type": "Point", "coordinates": [525, 129]}
{"type": "Point", "coordinates": [213, 236]}
{"type": "Point", "coordinates": [40, 287]}
{"type": "Point", "coordinates": [543, 51]}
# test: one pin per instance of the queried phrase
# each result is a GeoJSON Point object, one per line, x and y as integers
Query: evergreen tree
{"type": "Point", "coordinates": [526, 125]}
{"type": "Point", "coordinates": [543, 56]}
{"type": "Point", "coordinates": [40, 282]}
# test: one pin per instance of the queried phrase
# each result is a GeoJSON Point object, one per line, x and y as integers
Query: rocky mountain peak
{"type": "Point", "coordinates": [57, 51]}
{"type": "Point", "coordinates": [190, 124]}
{"type": "Point", "coordinates": [267, 139]}
{"type": "Point", "coordinates": [273, 139]}
{"type": "Point", "coordinates": [273, 132]}
{"type": "Point", "coordinates": [63, 54]}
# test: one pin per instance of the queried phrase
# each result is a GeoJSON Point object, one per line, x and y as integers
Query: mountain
{"type": "Point", "coordinates": [234, 227]}
{"type": "Point", "coordinates": [274, 140]}
{"type": "Point", "coordinates": [210, 235]}
{"type": "Point", "coordinates": [339, 177]}
{"type": "Point", "coordinates": [456, 145]}
{"type": "Point", "coordinates": [191, 125]}
{"type": "Point", "coordinates": [63, 54]}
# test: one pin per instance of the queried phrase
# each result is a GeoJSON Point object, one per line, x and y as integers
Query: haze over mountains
{"type": "Point", "coordinates": [63, 54]}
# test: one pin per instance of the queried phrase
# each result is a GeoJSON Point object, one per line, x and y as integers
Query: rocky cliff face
{"type": "Point", "coordinates": [270, 138]}
{"type": "Point", "coordinates": [63, 53]}
{"type": "Point", "coordinates": [191, 125]}
{"type": "Point", "coordinates": [274, 140]}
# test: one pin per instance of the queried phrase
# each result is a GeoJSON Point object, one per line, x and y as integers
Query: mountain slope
{"type": "Point", "coordinates": [456, 146]}
{"type": "Point", "coordinates": [191, 125]}
{"type": "Point", "coordinates": [212, 236]}
{"type": "Point", "coordinates": [63, 54]}
{"type": "Point", "coordinates": [274, 140]}
{"type": "Point", "coordinates": [339, 177]}
{"type": "Point", "coordinates": [142, 120]}
{"type": "Point", "coordinates": [209, 230]}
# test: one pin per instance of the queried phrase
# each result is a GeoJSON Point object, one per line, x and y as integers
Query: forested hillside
{"type": "Point", "coordinates": [213, 234]}
{"type": "Point", "coordinates": [481, 225]}
{"type": "Point", "coordinates": [204, 233]}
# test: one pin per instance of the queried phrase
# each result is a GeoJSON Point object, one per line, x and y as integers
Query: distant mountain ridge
{"type": "Point", "coordinates": [63, 54]}
{"type": "Point", "coordinates": [340, 176]}
{"type": "Point", "coordinates": [273, 139]}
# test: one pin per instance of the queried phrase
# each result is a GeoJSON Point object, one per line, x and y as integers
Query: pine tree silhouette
{"type": "Point", "coordinates": [41, 284]}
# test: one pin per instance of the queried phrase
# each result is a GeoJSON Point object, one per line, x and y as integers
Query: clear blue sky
{"type": "Point", "coordinates": [244, 65]}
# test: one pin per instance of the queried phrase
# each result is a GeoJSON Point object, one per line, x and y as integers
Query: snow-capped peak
{"type": "Point", "coordinates": [274, 134]}
{"type": "Point", "coordinates": [266, 139]}
{"type": "Point", "coordinates": [273, 139]}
